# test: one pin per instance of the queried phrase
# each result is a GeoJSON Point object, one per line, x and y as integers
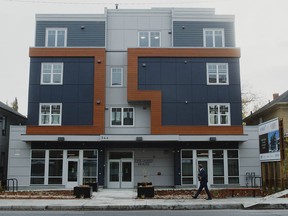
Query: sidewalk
{"type": "Point", "coordinates": [126, 199]}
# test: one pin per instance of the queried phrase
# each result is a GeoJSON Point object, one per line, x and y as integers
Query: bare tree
{"type": "Point", "coordinates": [251, 101]}
{"type": "Point", "coordinates": [14, 104]}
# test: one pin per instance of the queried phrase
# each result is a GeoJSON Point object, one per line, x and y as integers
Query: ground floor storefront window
{"type": "Point", "coordinates": [222, 166]}
{"type": "Point", "coordinates": [63, 167]}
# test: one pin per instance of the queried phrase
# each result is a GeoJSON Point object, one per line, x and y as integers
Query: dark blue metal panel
{"type": "Point", "coordinates": [185, 93]}
{"type": "Point", "coordinates": [76, 93]}
{"type": "Point", "coordinates": [33, 118]}
{"type": "Point", "coordinates": [93, 35]}
{"type": "Point", "coordinates": [190, 33]}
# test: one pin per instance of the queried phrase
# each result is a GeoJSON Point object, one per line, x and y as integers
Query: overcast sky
{"type": "Point", "coordinates": [261, 32]}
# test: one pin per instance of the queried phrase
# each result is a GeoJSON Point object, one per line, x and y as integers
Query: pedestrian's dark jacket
{"type": "Point", "coordinates": [202, 175]}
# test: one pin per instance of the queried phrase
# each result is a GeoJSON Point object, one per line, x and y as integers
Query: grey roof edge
{"type": "Point", "coordinates": [282, 99]}
{"type": "Point", "coordinates": [10, 110]}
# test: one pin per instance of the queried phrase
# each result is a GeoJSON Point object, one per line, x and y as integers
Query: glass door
{"type": "Point", "coordinates": [120, 173]}
{"type": "Point", "coordinates": [126, 173]}
{"type": "Point", "coordinates": [72, 173]}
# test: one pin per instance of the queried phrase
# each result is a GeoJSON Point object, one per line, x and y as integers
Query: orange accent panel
{"type": "Point", "coordinates": [99, 55]}
{"type": "Point", "coordinates": [155, 96]}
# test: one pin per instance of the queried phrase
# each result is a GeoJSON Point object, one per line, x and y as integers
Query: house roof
{"type": "Point", "coordinates": [9, 109]}
{"type": "Point", "coordinates": [282, 99]}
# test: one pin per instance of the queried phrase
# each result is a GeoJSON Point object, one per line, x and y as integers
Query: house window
{"type": "Point", "coordinates": [122, 116]}
{"type": "Point", "coordinates": [56, 37]}
{"type": "Point", "coordinates": [149, 39]}
{"type": "Point", "coordinates": [116, 77]}
{"type": "Point", "coordinates": [218, 167]}
{"type": "Point", "coordinates": [233, 167]}
{"type": "Point", "coordinates": [213, 37]}
{"type": "Point", "coordinates": [187, 166]}
{"type": "Point", "coordinates": [217, 73]}
{"type": "Point", "coordinates": [51, 73]}
{"type": "Point", "coordinates": [3, 125]}
{"type": "Point", "coordinates": [50, 114]}
{"type": "Point", "coordinates": [219, 114]}
{"type": "Point", "coordinates": [37, 167]}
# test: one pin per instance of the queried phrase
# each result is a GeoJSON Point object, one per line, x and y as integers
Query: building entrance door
{"type": "Point", "coordinates": [120, 172]}
{"type": "Point", "coordinates": [72, 173]}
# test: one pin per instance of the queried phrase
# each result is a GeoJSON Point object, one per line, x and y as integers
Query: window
{"type": "Point", "coordinates": [217, 73]}
{"type": "Point", "coordinates": [3, 125]}
{"type": "Point", "coordinates": [149, 39]}
{"type": "Point", "coordinates": [90, 164]}
{"type": "Point", "coordinates": [233, 167]}
{"type": "Point", "coordinates": [37, 167]}
{"type": "Point", "coordinates": [56, 37]}
{"type": "Point", "coordinates": [122, 116]}
{"type": "Point", "coordinates": [218, 167]}
{"type": "Point", "coordinates": [219, 114]}
{"type": "Point", "coordinates": [50, 114]}
{"type": "Point", "coordinates": [51, 73]}
{"type": "Point", "coordinates": [187, 166]}
{"type": "Point", "coordinates": [55, 166]}
{"type": "Point", "coordinates": [116, 77]}
{"type": "Point", "coordinates": [213, 37]}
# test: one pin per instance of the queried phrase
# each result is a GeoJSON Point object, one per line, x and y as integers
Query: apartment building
{"type": "Point", "coordinates": [134, 95]}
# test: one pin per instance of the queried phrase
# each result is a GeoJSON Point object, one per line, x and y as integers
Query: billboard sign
{"type": "Point", "coordinates": [269, 140]}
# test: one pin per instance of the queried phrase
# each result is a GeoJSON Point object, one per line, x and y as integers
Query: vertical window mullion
{"type": "Point", "coordinates": [46, 175]}
{"type": "Point", "coordinates": [225, 167]}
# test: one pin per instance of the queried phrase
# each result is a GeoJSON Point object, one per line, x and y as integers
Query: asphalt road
{"type": "Point", "coordinates": [150, 213]}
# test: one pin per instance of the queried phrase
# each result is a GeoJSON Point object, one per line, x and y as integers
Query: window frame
{"type": "Point", "coordinates": [217, 73]}
{"type": "Point", "coordinates": [219, 114]}
{"type": "Point", "coordinates": [149, 39]}
{"type": "Point", "coordinates": [56, 36]}
{"type": "Point", "coordinates": [122, 117]}
{"type": "Point", "coordinates": [51, 73]}
{"type": "Point", "coordinates": [121, 75]}
{"type": "Point", "coordinates": [213, 30]}
{"type": "Point", "coordinates": [50, 114]}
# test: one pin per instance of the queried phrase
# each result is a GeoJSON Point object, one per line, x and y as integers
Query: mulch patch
{"type": "Point", "coordinates": [216, 193]}
{"type": "Point", "coordinates": [48, 194]}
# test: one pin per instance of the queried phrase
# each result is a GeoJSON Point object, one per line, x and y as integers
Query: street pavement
{"type": "Point", "coordinates": [126, 199]}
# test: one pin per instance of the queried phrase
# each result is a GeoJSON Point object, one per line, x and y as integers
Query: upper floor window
{"type": "Point", "coordinates": [213, 38]}
{"type": "Point", "coordinates": [50, 114]}
{"type": "Point", "coordinates": [217, 73]}
{"type": "Point", "coordinates": [149, 39]}
{"type": "Point", "coordinates": [219, 114]}
{"type": "Point", "coordinates": [51, 73]}
{"type": "Point", "coordinates": [56, 37]}
{"type": "Point", "coordinates": [122, 116]}
{"type": "Point", "coordinates": [116, 77]}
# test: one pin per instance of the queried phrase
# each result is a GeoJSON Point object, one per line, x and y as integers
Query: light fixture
{"type": "Point", "coordinates": [61, 139]}
{"type": "Point", "coordinates": [143, 65]}
{"type": "Point", "coordinates": [98, 61]}
{"type": "Point", "coordinates": [82, 27]}
{"type": "Point", "coordinates": [139, 139]}
{"type": "Point", "coordinates": [98, 102]}
{"type": "Point", "coordinates": [212, 139]}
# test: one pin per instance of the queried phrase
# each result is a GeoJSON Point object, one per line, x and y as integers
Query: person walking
{"type": "Point", "coordinates": [202, 177]}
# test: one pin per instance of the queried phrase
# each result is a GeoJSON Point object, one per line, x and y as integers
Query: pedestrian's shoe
{"type": "Point", "coordinates": [209, 198]}
{"type": "Point", "coordinates": [194, 197]}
